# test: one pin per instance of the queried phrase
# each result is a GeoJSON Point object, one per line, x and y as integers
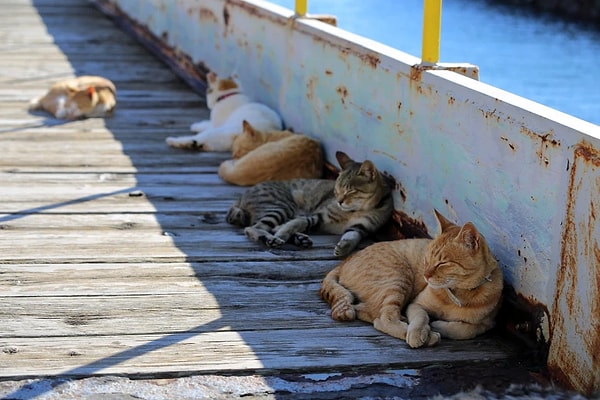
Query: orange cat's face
{"type": "Point", "coordinates": [457, 257]}
{"type": "Point", "coordinates": [218, 87]}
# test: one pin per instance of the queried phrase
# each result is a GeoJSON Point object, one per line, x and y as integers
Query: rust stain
{"type": "Point", "coordinates": [490, 114]}
{"type": "Point", "coordinates": [328, 72]}
{"type": "Point", "coordinates": [522, 318]}
{"type": "Point", "coordinates": [343, 92]}
{"type": "Point", "coordinates": [416, 73]}
{"type": "Point", "coordinates": [564, 365]}
{"type": "Point", "coordinates": [546, 141]}
{"type": "Point", "coordinates": [451, 100]}
{"type": "Point", "coordinates": [505, 139]}
{"type": "Point", "coordinates": [207, 15]}
{"type": "Point", "coordinates": [405, 227]}
{"type": "Point", "coordinates": [310, 88]}
{"type": "Point", "coordinates": [371, 59]}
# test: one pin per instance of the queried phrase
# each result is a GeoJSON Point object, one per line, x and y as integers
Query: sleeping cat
{"type": "Point", "coordinates": [261, 156]}
{"type": "Point", "coordinates": [81, 97]}
{"type": "Point", "coordinates": [355, 205]}
{"type": "Point", "coordinates": [461, 288]}
{"type": "Point", "coordinates": [228, 108]}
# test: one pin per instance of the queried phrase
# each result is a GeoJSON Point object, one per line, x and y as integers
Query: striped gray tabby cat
{"type": "Point", "coordinates": [355, 205]}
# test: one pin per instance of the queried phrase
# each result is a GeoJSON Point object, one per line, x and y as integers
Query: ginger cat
{"type": "Point", "coordinates": [453, 278]}
{"type": "Point", "coordinates": [81, 97]}
{"type": "Point", "coordinates": [261, 156]}
{"type": "Point", "coordinates": [228, 108]}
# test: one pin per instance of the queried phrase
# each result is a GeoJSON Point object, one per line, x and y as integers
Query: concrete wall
{"type": "Point", "coordinates": [528, 176]}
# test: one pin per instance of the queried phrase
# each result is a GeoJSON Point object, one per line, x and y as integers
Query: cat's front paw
{"type": "Point", "coordinates": [343, 248]}
{"type": "Point", "coordinates": [418, 336]}
{"type": "Point", "coordinates": [302, 240]}
{"type": "Point", "coordinates": [274, 242]}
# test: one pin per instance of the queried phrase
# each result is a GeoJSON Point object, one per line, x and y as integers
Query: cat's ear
{"type": "Point", "coordinates": [247, 128]}
{"type": "Point", "coordinates": [343, 159]}
{"type": "Point", "coordinates": [368, 170]}
{"type": "Point", "coordinates": [442, 221]}
{"type": "Point", "coordinates": [469, 236]}
{"type": "Point", "coordinates": [211, 77]}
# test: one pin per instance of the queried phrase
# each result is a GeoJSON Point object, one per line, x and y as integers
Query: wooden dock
{"type": "Point", "coordinates": [115, 259]}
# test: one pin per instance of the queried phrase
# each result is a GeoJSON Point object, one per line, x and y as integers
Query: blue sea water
{"type": "Point", "coordinates": [539, 57]}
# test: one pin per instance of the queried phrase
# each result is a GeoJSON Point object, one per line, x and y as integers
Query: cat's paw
{"type": "Point", "coordinates": [418, 336]}
{"type": "Point", "coordinates": [343, 248]}
{"type": "Point", "coordinates": [254, 234]}
{"type": "Point", "coordinates": [434, 338]}
{"type": "Point", "coordinates": [274, 242]}
{"type": "Point", "coordinates": [343, 311]}
{"type": "Point", "coordinates": [302, 240]}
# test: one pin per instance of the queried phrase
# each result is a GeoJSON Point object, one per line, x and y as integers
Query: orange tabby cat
{"type": "Point", "coordinates": [461, 289]}
{"type": "Point", "coordinates": [81, 97]}
{"type": "Point", "coordinates": [261, 156]}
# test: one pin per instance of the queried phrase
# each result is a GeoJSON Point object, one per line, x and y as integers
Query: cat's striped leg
{"type": "Point", "coordinates": [261, 230]}
{"type": "Point", "coordinates": [292, 228]}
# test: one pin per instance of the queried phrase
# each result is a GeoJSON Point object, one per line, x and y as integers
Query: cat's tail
{"type": "Point", "coordinates": [339, 298]}
{"type": "Point", "coordinates": [238, 216]}
{"type": "Point", "coordinates": [227, 172]}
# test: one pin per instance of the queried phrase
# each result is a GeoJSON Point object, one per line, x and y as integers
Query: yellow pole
{"type": "Point", "coordinates": [301, 7]}
{"type": "Point", "coordinates": [432, 22]}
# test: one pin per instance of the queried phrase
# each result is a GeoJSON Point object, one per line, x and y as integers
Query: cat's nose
{"type": "Point", "coordinates": [427, 275]}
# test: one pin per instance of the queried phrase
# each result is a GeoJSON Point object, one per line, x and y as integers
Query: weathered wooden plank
{"type": "Point", "coordinates": [11, 179]}
{"type": "Point", "coordinates": [119, 307]}
{"type": "Point", "coordinates": [176, 245]}
{"type": "Point", "coordinates": [281, 271]}
{"type": "Point", "coordinates": [227, 352]}
{"type": "Point", "coordinates": [56, 195]}
{"type": "Point", "coordinates": [115, 203]}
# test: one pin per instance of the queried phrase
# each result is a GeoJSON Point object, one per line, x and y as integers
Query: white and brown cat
{"type": "Point", "coordinates": [274, 155]}
{"type": "Point", "coordinates": [82, 97]}
{"type": "Point", "coordinates": [454, 279]}
{"type": "Point", "coordinates": [229, 107]}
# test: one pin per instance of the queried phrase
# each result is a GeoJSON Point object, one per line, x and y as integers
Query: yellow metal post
{"type": "Point", "coordinates": [432, 22]}
{"type": "Point", "coordinates": [301, 7]}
